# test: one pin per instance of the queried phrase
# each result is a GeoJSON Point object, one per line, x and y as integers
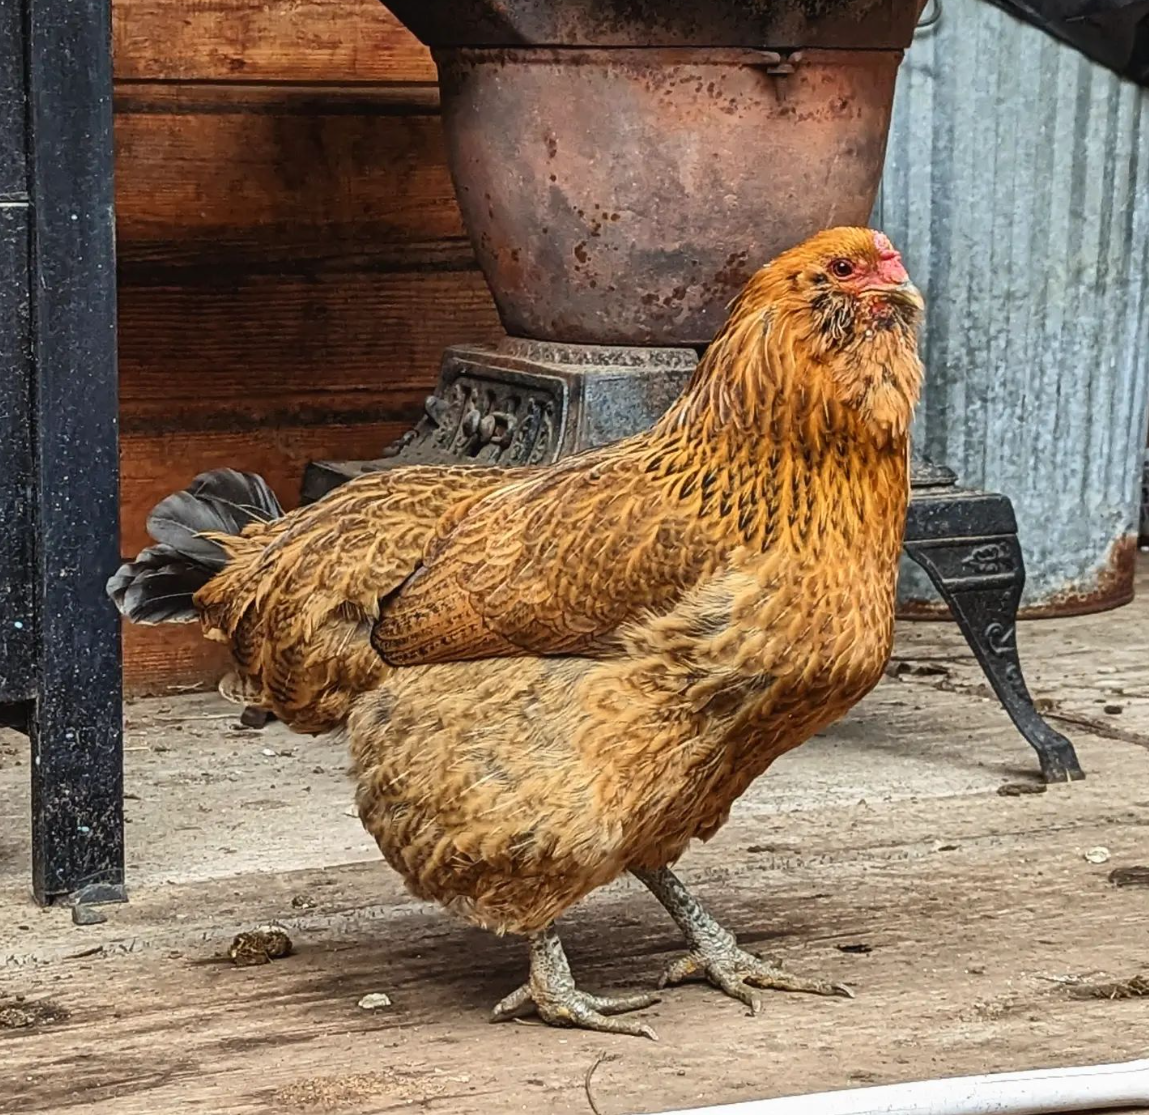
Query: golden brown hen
{"type": "Point", "coordinates": [577, 670]}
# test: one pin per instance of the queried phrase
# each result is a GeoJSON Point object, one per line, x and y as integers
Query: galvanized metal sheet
{"type": "Point", "coordinates": [1017, 186]}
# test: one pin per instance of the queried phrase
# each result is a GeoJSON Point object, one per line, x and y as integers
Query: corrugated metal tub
{"type": "Point", "coordinates": [1017, 186]}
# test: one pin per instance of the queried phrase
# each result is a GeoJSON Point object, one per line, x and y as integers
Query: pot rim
{"type": "Point", "coordinates": [847, 24]}
{"type": "Point", "coordinates": [765, 57]}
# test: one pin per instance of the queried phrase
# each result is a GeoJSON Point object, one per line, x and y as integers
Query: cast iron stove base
{"type": "Point", "coordinates": [532, 402]}
{"type": "Point", "coordinates": [526, 403]}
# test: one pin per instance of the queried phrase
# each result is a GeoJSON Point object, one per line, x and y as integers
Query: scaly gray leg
{"type": "Point", "coordinates": [552, 993]}
{"type": "Point", "coordinates": [714, 953]}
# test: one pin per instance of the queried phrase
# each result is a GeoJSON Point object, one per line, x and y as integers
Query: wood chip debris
{"type": "Point", "coordinates": [377, 1000]}
{"type": "Point", "coordinates": [87, 915]}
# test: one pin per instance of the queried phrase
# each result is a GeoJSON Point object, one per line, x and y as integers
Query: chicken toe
{"type": "Point", "coordinates": [738, 973]}
{"type": "Point", "coordinates": [552, 995]}
{"type": "Point", "coordinates": [714, 954]}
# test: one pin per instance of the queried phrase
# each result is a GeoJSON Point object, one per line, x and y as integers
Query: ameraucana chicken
{"type": "Point", "coordinates": [551, 677]}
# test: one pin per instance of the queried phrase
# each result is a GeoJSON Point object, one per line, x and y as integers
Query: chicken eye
{"type": "Point", "coordinates": [843, 268]}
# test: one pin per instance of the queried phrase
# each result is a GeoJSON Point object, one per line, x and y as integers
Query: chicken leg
{"type": "Point", "coordinates": [556, 1000]}
{"type": "Point", "coordinates": [714, 953]}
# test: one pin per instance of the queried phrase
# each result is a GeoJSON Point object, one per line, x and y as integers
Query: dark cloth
{"type": "Point", "coordinates": [1112, 32]}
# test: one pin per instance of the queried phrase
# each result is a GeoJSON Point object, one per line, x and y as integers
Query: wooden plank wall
{"type": "Point", "coordinates": [291, 258]}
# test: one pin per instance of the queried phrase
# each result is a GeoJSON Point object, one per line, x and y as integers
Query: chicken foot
{"type": "Point", "coordinates": [714, 953]}
{"type": "Point", "coordinates": [552, 993]}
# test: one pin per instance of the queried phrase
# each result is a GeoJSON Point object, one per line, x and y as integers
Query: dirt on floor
{"type": "Point", "coordinates": [985, 924]}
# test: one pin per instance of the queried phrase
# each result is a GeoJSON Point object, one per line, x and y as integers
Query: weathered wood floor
{"type": "Point", "coordinates": [881, 855]}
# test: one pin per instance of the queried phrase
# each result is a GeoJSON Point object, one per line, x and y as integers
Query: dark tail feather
{"type": "Point", "coordinates": [159, 585]}
{"type": "Point", "coordinates": [219, 502]}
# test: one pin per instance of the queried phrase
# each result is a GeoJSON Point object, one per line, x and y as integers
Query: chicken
{"type": "Point", "coordinates": [552, 677]}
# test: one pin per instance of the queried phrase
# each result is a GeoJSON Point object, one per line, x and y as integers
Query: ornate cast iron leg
{"type": "Point", "coordinates": [981, 580]}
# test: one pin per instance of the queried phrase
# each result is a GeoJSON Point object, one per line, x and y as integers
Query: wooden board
{"type": "Point", "coordinates": [269, 345]}
{"type": "Point", "coordinates": [291, 258]}
{"type": "Point", "coordinates": [269, 40]}
{"type": "Point", "coordinates": [274, 338]}
{"type": "Point", "coordinates": [170, 659]}
{"type": "Point", "coordinates": [156, 464]}
{"type": "Point", "coordinates": [951, 911]}
{"type": "Point", "coordinates": [219, 177]}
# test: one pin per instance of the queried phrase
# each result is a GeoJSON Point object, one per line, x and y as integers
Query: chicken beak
{"type": "Point", "coordinates": [905, 291]}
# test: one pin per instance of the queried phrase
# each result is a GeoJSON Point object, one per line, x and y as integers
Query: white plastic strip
{"type": "Point", "coordinates": [1038, 1092]}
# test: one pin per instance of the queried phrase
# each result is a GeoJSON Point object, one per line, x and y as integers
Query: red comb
{"type": "Point", "coordinates": [890, 266]}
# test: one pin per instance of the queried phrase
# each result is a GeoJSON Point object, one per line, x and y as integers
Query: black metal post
{"type": "Point", "coordinates": [60, 651]}
{"type": "Point", "coordinates": [16, 631]}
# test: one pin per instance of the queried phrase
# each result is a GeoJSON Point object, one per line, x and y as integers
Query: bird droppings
{"type": "Point", "coordinates": [377, 1000]}
{"type": "Point", "coordinates": [87, 915]}
{"type": "Point", "coordinates": [302, 902]}
{"type": "Point", "coordinates": [19, 1014]}
{"type": "Point", "coordinates": [1082, 987]}
{"type": "Point", "coordinates": [859, 949]}
{"type": "Point", "coordinates": [260, 946]}
{"type": "Point", "coordinates": [1134, 876]}
{"type": "Point", "coordinates": [1020, 789]}
{"type": "Point", "coordinates": [1099, 854]}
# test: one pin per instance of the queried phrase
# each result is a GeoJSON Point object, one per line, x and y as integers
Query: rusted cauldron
{"type": "Point", "coordinates": [623, 166]}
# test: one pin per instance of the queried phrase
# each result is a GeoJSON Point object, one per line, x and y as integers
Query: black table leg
{"type": "Point", "coordinates": [76, 714]}
{"type": "Point", "coordinates": [981, 580]}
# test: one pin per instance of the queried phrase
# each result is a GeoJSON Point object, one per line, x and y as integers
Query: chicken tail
{"type": "Point", "coordinates": [158, 586]}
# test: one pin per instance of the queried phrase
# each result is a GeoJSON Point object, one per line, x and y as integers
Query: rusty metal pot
{"type": "Point", "coordinates": [623, 196]}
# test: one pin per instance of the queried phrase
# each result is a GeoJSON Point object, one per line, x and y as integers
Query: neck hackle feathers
{"type": "Point", "coordinates": [821, 341]}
